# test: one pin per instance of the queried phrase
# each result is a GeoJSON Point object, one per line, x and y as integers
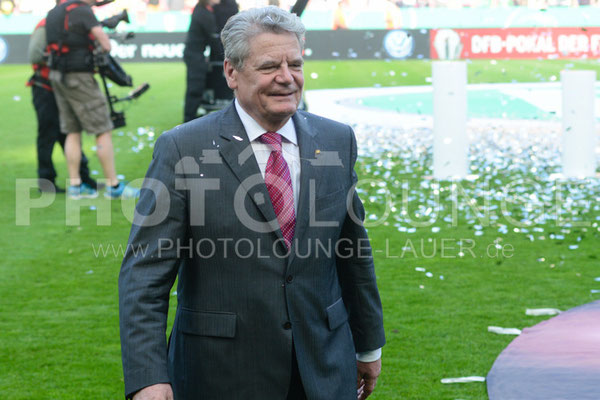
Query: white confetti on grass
{"type": "Point", "coordinates": [463, 379]}
{"type": "Point", "coordinates": [505, 155]}
{"type": "Point", "coordinates": [542, 311]}
{"type": "Point", "coordinates": [504, 331]}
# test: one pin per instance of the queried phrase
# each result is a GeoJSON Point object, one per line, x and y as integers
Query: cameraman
{"type": "Point", "coordinates": [72, 31]}
{"type": "Point", "coordinates": [47, 115]}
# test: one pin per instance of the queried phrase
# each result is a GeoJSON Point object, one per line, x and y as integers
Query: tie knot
{"type": "Point", "coordinates": [273, 139]}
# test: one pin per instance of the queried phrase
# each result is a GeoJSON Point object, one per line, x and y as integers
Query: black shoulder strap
{"type": "Point", "coordinates": [57, 48]}
{"type": "Point", "coordinates": [69, 6]}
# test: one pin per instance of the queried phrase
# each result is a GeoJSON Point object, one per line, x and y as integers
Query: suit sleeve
{"type": "Point", "coordinates": [356, 273]}
{"type": "Point", "coordinates": [149, 270]}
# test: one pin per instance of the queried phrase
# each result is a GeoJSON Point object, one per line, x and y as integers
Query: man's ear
{"type": "Point", "coordinates": [230, 74]}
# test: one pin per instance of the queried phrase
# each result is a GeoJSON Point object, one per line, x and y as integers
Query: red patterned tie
{"type": "Point", "coordinates": [279, 185]}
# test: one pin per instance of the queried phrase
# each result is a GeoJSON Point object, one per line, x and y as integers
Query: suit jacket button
{"type": "Point", "coordinates": [287, 325]}
{"type": "Point", "coordinates": [289, 279]}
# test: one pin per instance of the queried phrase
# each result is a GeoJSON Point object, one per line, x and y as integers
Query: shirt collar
{"type": "Point", "coordinates": [254, 130]}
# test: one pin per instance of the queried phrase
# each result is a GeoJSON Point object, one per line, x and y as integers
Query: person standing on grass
{"type": "Point", "coordinates": [72, 31]}
{"type": "Point", "coordinates": [48, 131]}
{"type": "Point", "coordinates": [201, 33]}
{"type": "Point", "coordinates": [260, 223]}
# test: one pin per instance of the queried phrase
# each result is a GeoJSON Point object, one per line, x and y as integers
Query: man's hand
{"type": "Point", "coordinates": [160, 391]}
{"type": "Point", "coordinates": [367, 377]}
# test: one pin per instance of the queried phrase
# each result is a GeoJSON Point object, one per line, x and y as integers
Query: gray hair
{"type": "Point", "coordinates": [242, 27]}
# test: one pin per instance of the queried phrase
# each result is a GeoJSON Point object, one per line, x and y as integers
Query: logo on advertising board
{"type": "Point", "coordinates": [447, 44]}
{"type": "Point", "coordinates": [399, 44]}
{"type": "Point", "coordinates": [529, 43]}
{"type": "Point", "coordinates": [3, 50]}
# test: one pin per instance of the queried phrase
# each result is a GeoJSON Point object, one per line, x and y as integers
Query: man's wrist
{"type": "Point", "coordinates": [369, 356]}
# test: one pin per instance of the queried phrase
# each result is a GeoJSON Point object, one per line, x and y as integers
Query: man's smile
{"type": "Point", "coordinates": [283, 94]}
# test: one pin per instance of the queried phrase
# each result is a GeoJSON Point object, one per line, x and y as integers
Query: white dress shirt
{"type": "Point", "coordinates": [291, 154]}
{"type": "Point", "coordinates": [262, 151]}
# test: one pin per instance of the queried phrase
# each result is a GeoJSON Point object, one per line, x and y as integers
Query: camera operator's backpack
{"type": "Point", "coordinates": [68, 51]}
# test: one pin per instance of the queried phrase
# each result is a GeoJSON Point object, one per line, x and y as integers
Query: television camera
{"type": "Point", "coordinates": [109, 68]}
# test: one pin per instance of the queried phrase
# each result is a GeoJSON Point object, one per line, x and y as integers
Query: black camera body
{"type": "Point", "coordinates": [112, 22]}
{"type": "Point", "coordinates": [110, 69]}
{"type": "Point", "coordinates": [118, 119]}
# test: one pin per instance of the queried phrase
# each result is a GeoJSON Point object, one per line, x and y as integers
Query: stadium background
{"type": "Point", "coordinates": [59, 325]}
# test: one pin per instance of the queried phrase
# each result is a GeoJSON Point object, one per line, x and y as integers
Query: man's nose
{"type": "Point", "coordinates": [284, 76]}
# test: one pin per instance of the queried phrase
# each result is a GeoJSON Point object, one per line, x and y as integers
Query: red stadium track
{"type": "Point", "coordinates": [555, 359]}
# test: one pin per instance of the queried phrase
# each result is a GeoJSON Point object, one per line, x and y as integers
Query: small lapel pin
{"type": "Point", "coordinates": [239, 139]}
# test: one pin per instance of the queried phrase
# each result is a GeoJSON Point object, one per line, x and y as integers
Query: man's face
{"type": "Point", "coordinates": [269, 85]}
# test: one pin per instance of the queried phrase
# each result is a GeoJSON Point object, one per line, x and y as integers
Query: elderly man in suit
{"type": "Point", "coordinates": [253, 209]}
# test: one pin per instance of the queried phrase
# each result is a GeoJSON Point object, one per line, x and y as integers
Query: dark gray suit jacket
{"type": "Point", "coordinates": [241, 303]}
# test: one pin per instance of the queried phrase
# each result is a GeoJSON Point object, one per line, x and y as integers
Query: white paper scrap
{"type": "Point", "coordinates": [542, 311]}
{"type": "Point", "coordinates": [464, 379]}
{"type": "Point", "coordinates": [504, 331]}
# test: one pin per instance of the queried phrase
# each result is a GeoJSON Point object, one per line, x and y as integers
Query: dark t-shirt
{"type": "Point", "coordinates": [82, 19]}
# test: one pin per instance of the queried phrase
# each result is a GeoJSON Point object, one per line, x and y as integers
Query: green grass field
{"type": "Point", "coordinates": [58, 293]}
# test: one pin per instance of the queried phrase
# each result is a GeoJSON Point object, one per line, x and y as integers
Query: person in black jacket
{"type": "Point", "coordinates": [223, 11]}
{"type": "Point", "coordinates": [202, 33]}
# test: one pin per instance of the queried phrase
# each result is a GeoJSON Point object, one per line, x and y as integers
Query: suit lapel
{"type": "Point", "coordinates": [307, 146]}
{"type": "Point", "coordinates": [237, 152]}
